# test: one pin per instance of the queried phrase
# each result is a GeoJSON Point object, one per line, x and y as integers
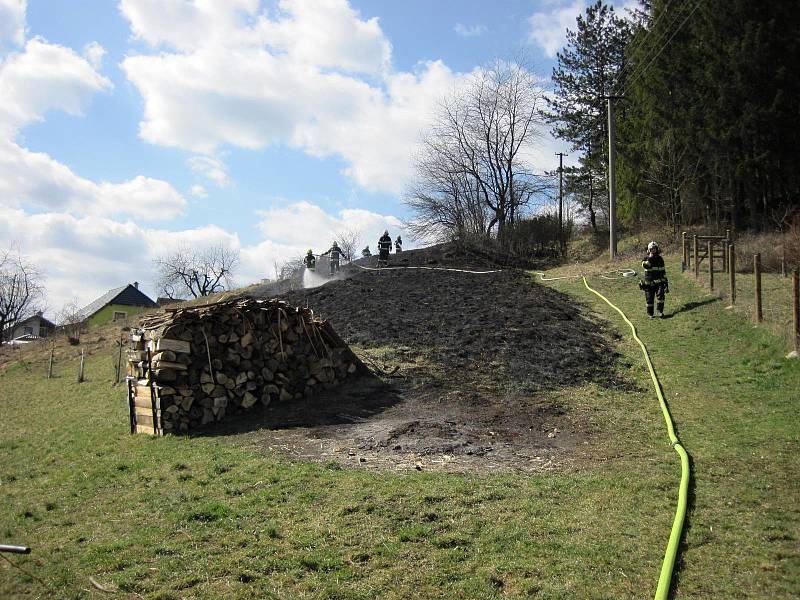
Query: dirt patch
{"type": "Point", "coordinates": [464, 365]}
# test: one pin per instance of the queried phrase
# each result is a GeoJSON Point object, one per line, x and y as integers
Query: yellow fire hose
{"type": "Point", "coordinates": [683, 492]}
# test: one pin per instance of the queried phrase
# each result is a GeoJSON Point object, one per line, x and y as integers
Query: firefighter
{"type": "Point", "coordinates": [398, 245]}
{"type": "Point", "coordinates": [654, 284]}
{"type": "Point", "coordinates": [365, 252]}
{"type": "Point", "coordinates": [310, 261]}
{"type": "Point", "coordinates": [335, 253]}
{"type": "Point", "coordinates": [384, 247]}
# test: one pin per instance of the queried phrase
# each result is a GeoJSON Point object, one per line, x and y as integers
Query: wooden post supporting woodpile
{"type": "Point", "coordinates": [192, 366]}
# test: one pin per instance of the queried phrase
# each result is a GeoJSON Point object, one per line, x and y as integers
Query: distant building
{"type": "Point", "coordinates": [117, 305]}
{"type": "Point", "coordinates": [163, 301]}
{"type": "Point", "coordinates": [32, 328]}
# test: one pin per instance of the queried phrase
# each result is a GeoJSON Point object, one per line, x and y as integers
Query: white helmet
{"type": "Point", "coordinates": [652, 246]}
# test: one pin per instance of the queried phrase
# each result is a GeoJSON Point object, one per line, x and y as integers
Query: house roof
{"type": "Point", "coordinates": [127, 295]}
{"type": "Point", "coordinates": [42, 320]}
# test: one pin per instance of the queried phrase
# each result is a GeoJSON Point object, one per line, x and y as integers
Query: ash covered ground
{"type": "Point", "coordinates": [464, 368]}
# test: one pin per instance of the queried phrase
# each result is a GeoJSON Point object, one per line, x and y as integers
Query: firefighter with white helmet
{"type": "Point", "coordinates": [654, 284]}
{"type": "Point", "coordinates": [335, 253]}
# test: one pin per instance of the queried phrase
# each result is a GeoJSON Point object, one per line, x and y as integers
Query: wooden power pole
{"type": "Point", "coordinates": [561, 156]}
{"type": "Point", "coordinates": [612, 178]}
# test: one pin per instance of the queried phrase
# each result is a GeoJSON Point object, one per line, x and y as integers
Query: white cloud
{"type": "Point", "coordinates": [469, 31]}
{"type": "Point", "coordinates": [83, 257]}
{"type": "Point", "coordinates": [41, 78]}
{"type": "Point", "coordinates": [45, 77]}
{"type": "Point", "coordinates": [315, 77]}
{"type": "Point", "coordinates": [12, 22]}
{"type": "Point", "coordinates": [198, 191]}
{"type": "Point", "coordinates": [211, 168]}
{"type": "Point", "coordinates": [548, 29]}
{"type": "Point", "coordinates": [303, 224]}
{"type": "Point", "coordinates": [94, 53]}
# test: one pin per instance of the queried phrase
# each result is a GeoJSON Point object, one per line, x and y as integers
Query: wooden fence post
{"type": "Point", "coordinates": [710, 246]}
{"type": "Point", "coordinates": [725, 257]}
{"type": "Point", "coordinates": [119, 363]}
{"type": "Point", "coordinates": [732, 272]}
{"type": "Point", "coordinates": [685, 252]}
{"type": "Point", "coordinates": [711, 264]}
{"type": "Point", "coordinates": [80, 372]}
{"type": "Point", "coordinates": [757, 277]}
{"type": "Point", "coordinates": [50, 363]}
{"type": "Point", "coordinates": [796, 308]}
{"type": "Point", "coordinates": [694, 257]}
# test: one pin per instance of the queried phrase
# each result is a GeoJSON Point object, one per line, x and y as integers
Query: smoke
{"type": "Point", "coordinates": [312, 279]}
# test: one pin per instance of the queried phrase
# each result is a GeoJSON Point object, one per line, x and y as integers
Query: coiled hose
{"type": "Point", "coordinates": [683, 493]}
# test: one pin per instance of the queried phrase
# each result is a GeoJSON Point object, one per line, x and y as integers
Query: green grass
{"type": "Point", "coordinates": [776, 298]}
{"type": "Point", "coordinates": [208, 517]}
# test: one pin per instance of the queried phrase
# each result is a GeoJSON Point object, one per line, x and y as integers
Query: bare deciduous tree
{"type": "Point", "coordinates": [21, 290]}
{"type": "Point", "coordinates": [670, 173]}
{"type": "Point", "coordinates": [472, 171]}
{"type": "Point", "coordinates": [70, 319]}
{"type": "Point", "coordinates": [348, 239]}
{"type": "Point", "coordinates": [196, 272]}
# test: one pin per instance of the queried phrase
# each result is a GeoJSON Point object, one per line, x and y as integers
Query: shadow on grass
{"type": "Point", "coordinates": [691, 306]}
{"type": "Point", "coordinates": [352, 401]}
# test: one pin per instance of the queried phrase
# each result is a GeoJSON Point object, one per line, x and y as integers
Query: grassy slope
{"type": "Point", "coordinates": [200, 517]}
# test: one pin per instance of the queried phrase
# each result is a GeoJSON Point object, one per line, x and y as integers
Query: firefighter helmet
{"type": "Point", "coordinates": [652, 247]}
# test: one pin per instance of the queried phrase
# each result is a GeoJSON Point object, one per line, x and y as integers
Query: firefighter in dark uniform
{"type": "Point", "coordinates": [654, 284]}
{"type": "Point", "coordinates": [335, 253]}
{"type": "Point", "coordinates": [384, 247]}
{"type": "Point", "coordinates": [365, 252]}
{"type": "Point", "coordinates": [310, 261]}
{"type": "Point", "coordinates": [398, 245]}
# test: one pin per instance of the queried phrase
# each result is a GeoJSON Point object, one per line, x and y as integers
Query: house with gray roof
{"type": "Point", "coordinates": [117, 304]}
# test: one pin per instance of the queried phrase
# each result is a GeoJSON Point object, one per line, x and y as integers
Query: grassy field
{"type": "Point", "coordinates": [202, 517]}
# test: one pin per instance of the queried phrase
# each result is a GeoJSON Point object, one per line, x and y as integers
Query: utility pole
{"type": "Point", "coordinates": [612, 178]}
{"type": "Point", "coordinates": [561, 156]}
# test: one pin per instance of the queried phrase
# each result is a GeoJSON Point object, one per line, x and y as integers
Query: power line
{"type": "Point", "coordinates": [652, 28]}
{"type": "Point", "coordinates": [637, 77]}
{"type": "Point", "coordinates": [659, 37]}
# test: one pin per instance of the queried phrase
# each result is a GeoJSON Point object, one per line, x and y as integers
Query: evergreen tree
{"type": "Point", "coordinates": [588, 70]}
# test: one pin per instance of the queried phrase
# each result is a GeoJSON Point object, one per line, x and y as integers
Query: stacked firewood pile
{"type": "Point", "coordinates": [193, 366]}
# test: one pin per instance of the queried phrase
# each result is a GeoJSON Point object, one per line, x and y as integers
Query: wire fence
{"type": "Point", "coordinates": [766, 291]}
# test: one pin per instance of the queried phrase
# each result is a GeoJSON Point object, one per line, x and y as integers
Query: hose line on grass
{"type": "Point", "coordinates": [683, 492]}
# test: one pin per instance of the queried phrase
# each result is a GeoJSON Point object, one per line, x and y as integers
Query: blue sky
{"type": "Point", "coordinates": [130, 128]}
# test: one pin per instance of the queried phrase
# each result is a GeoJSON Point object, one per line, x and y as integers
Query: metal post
{"type": "Point", "coordinates": [612, 181]}
{"type": "Point", "coordinates": [732, 272]}
{"type": "Point", "coordinates": [757, 276]}
{"type": "Point", "coordinates": [711, 264]}
{"type": "Point", "coordinates": [695, 257]}
{"type": "Point", "coordinates": [50, 364]}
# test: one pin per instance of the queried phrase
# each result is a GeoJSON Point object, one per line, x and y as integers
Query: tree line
{"type": "Point", "coordinates": [706, 104]}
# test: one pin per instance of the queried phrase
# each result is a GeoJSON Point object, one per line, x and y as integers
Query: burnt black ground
{"type": "Point", "coordinates": [478, 356]}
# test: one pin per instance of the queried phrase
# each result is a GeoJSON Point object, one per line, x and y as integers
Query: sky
{"type": "Point", "coordinates": [131, 128]}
